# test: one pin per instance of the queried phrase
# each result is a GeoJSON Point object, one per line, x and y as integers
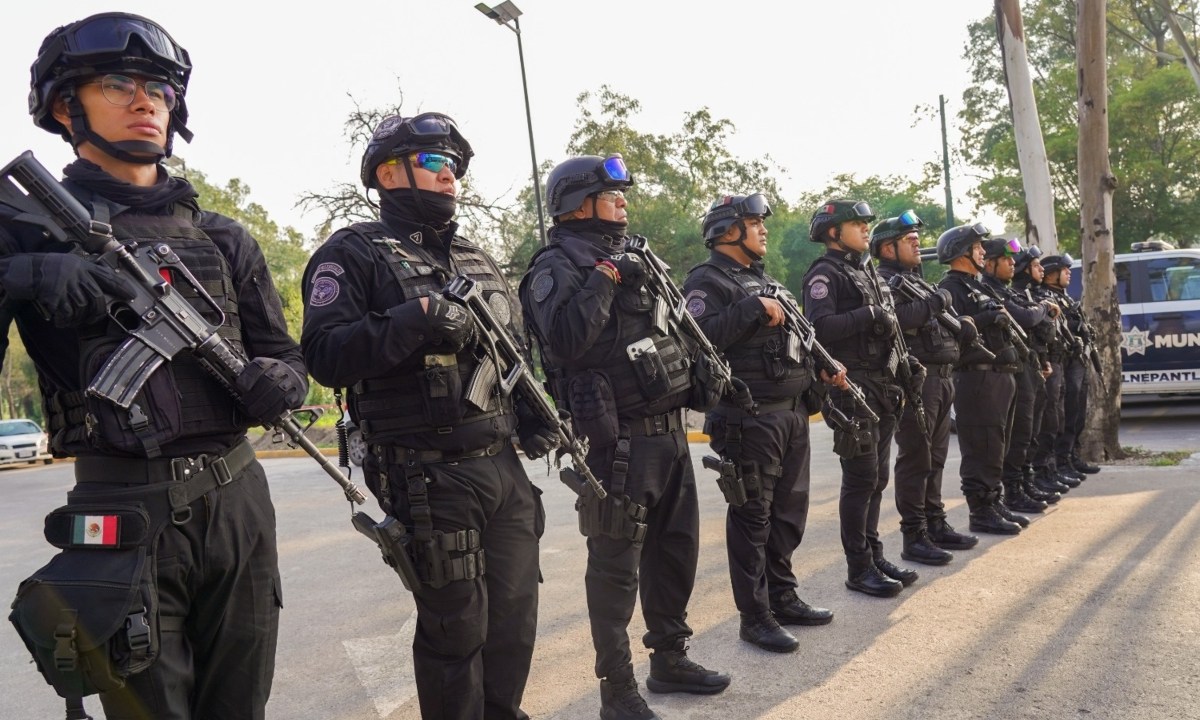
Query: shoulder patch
{"type": "Point", "coordinates": [818, 278]}
{"type": "Point", "coordinates": [818, 290]}
{"type": "Point", "coordinates": [324, 291]}
{"type": "Point", "coordinates": [694, 302]}
{"type": "Point", "coordinates": [543, 283]}
{"type": "Point", "coordinates": [328, 267]}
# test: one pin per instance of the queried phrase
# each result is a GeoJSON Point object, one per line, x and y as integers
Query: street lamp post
{"type": "Point", "coordinates": [503, 14]}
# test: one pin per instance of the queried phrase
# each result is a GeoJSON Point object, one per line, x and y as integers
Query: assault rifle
{"type": "Point", "coordinates": [904, 371]}
{"type": "Point", "coordinates": [795, 323]}
{"type": "Point", "coordinates": [908, 288]}
{"type": "Point", "coordinates": [672, 300]}
{"type": "Point", "coordinates": [161, 322]}
{"type": "Point", "coordinates": [507, 357]}
{"type": "Point", "coordinates": [1085, 343]}
{"type": "Point", "coordinates": [1016, 334]}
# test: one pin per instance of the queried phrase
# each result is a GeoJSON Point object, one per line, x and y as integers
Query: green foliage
{"type": "Point", "coordinates": [1154, 122]}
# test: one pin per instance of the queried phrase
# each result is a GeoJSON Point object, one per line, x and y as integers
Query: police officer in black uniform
{"type": "Point", "coordinates": [1027, 284]}
{"type": "Point", "coordinates": [854, 320]}
{"type": "Point", "coordinates": [113, 84]}
{"type": "Point", "coordinates": [1037, 320]}
{"type": "Point", "coordinates": [438, 429]}
{"type": "Point", "coordinates": [769, 444]}
{"type": "Point", "coordinates": [625, 379]}
{"type": "Point", "coordinates": [1075, 379]}
{"type": "Point", "coordinates": [920, 460]}
{"type": "Point", "coordinates": [983, 387]}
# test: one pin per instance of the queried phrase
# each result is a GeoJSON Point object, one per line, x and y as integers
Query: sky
{"type": "Point", "coordinates": [821, 88]}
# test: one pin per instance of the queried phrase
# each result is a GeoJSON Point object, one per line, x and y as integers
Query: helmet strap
{"type": "Point", "coordinates": [741, 241]}
{"type": "Point", "coordinates": [148, 153]}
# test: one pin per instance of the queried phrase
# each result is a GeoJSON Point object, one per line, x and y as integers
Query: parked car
{"type": "Point", "coordinates": [1158, 288]}
{"type": "Point", "coordinates": [21, 441]}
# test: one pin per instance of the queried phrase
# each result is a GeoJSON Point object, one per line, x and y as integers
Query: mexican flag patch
{"type": "Point", "coordinates": [95, 530]}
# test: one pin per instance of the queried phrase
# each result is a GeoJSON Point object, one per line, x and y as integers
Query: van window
{"type": "Point", "coordinates": [1124, 287]}
{"type": "Point", "coordinates": [1176, 278]}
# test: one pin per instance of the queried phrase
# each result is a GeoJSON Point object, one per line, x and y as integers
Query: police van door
{"type": "Point", "coordinates": [1161, 343]}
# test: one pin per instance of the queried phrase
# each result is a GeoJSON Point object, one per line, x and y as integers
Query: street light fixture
{"type": "Point", "coordinates": [503, 14]}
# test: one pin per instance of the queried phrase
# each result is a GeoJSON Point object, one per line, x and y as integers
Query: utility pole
{"type": "Point", "coordinates": [946, 164]}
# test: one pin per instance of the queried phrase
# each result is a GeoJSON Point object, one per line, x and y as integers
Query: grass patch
{"type": "Point", "coordinates": [1137, 455]}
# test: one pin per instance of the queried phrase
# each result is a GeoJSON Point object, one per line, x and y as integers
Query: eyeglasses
{"type": "Point", "coordinates": [433, 162]}
{"type": "Point", "coordinates": [121, 90]}
{"type": "Point", "coordinates": [913, 236]}
{"type": "Point", "coordinates": [610, 195]}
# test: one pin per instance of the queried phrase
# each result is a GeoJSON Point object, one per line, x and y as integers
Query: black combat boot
{"type": "Point", "coordinates": [764, 631]}
{"type": "Point", "coordinates": [1083, 466]}
{"type": "Point", "coordinates": [1017, 501]}
{"type": "Point", "coordinates": [919, 548]}
{"type": "Point", "coordinates": [946, 537]}
{"type": "Point", "coordinates": [871, 580]}
{"type": "Point", "coordinates": [1030, 487]}
{"type": "Point", "coordinates": [1046, 481]}
{"type": "Point", "coordinates": [620, 699]}
{"type": "Point", "coordinates": [673, 671]}
{"type": "Point", "coordinates": [986, 519]}
{"type": "Point", "coordinates": [789, 609]}
{"type": "Point", "coordinates": [1067, 474]}
{"type": "Point", "coordinates": [904, 575]}
{"type": "Point", "coordinates": [1009, 515]}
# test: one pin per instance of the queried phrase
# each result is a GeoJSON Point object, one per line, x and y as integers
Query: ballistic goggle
{"type": "Point", "coordinates": [755, 205]}
{"type": "Point", "coordinates": [110, 34]}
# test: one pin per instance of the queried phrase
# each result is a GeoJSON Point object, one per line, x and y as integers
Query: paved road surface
{"type": "Point", "coordinates": [1090, 613]}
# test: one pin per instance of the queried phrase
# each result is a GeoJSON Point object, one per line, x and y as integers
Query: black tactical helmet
{"type": "Point", "coordinates": [957, 241]}
{"type": "Point", "coordinates": [999, 247]}
{"type": "Point", "coordinates": [893, 228]}
{"type": "Point", "coordinates": [723, 213]}
{"type": "Point", "coordinates": [835, 212]}
{"type": "Point", "coordinates": [1054, 263]}
{"type": "Point", "coordinates": [107, 43]}
{"type": "Point", "coordinates": [571, 181]}
{"type": "Point", "coordinates": [397, 136]}
{"type": "Point", "coordinates": [1025, 258]}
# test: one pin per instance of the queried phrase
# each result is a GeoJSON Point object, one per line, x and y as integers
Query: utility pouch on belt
{"type": "Point", "coordinates": [90, 617]}
{"type": "Point", "coordinates": [728, 479]}
{"type": "Point", "coordinates": [649, 368]}
{"type": "Point", "coordinates": [442, 390]}
{"type": "Point", "coordinates": [593, 408]}
{"type": "Point", "coordinates": [853, 438]}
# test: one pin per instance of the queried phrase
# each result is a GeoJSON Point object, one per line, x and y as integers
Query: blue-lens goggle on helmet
{"type": "Point", "coordinates": [613, 169]}
{"type": "Point", "coordinates": [909, 219]}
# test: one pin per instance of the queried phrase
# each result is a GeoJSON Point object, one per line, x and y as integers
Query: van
{"type": "Point", "coordinates": [1158, 289]}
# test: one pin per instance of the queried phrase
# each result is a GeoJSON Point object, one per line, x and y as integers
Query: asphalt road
{"type": "Point", "coordinates": [1088, 613]}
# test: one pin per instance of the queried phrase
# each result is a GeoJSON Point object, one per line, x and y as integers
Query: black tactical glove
{"type": "Point", "coordinates": [884, 325]}
{"type": "Point", "coordinates": [536, 439]}
{"type": "Point", "coordinates": [450, 322]}
{"type": "Point", "coordinates": [70, 289]}
{"type": "Point", "coordinates": [942, 297]}
{"type": "Point", "coordinates": [268, 386]}
{"type": "Point", "coordinates": [967, 332]}
{"type": "Point", "coordinates": [631, 270]}
{"type": "Point", "coordinates": [917, 375]}
{"type": "Point", "coordinates": [707, 388]}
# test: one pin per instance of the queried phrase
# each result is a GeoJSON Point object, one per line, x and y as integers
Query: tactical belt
{"type": "Point", "coordinates": [939, 369]}
{"type": "Point", "coordinates": [399, 455]}
{"type": "Point", "coordinates": [1013, 368]}
{"type": "Point", "coordinates": [182, 480]}
{"type": "Point", "coordinates": [733, 413]}
{"type": "Point", "coordinates": [663, 424]}
{"type": "Point", "coordinates": [878, 375]}
{"type": "Point", "coordinates": [202, 469]}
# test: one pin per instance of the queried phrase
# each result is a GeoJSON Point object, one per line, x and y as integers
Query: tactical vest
{"type": "Point", "coordinates": [994, 337]}
{"type": "Point", "coordinates": [432, 393]}
{"type": "Point", "coordinates": [931, 343]}
{"type": "Point", "coordinates": [863, 350]}
{"type": "Point", "coordinates": [622, 353]}
{"type": "Point", "coordinates": [772, 362]}
{"type": "Point", "coordinates": [1043, 334]}
{"type": "Point", "coordinates": [181, 399]}
{"type": "Point", "coordinates": [1056, 348]}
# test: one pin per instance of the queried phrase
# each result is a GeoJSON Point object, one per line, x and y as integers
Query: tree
{"type": "Point", "coordinates": [1096, 184]}
{"type": "Point", "coordinates": [1154, 120]}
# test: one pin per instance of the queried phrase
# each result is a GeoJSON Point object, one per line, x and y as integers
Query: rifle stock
{"type": "Point", "coordinates": [164, 323]}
